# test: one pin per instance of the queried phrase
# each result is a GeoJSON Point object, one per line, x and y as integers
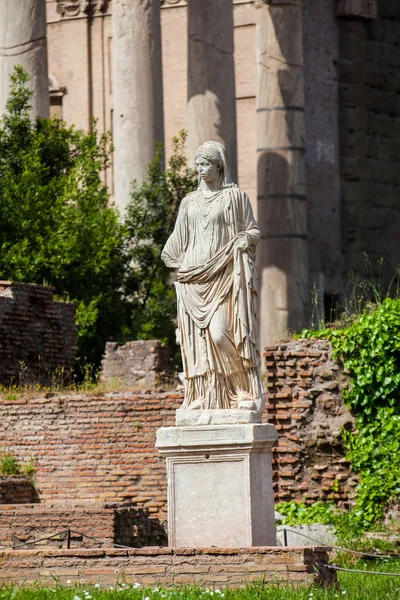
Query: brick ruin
{"type": "Point", "coordinates": [168, 566]}
{"type": "Point", "coordinates": [38, 335]}
{"type": "Point", "coordinates": [305, 403]}
{"type": "Point", "coordinates": [115, 523]}
{"type": "Point", "coordinates": [92, 447]}
{"type": "Point", "coordinates": [95, 453]}
{"type": "Point", "coordinates": [17, 489]}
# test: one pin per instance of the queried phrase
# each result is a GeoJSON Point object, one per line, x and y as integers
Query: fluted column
{"type": "Point", "coordinates": [23, 42]}
{"type": "Point", "coordinates": [211, 76]}
{"type": "Point", "coordinates": [138, 121]}
{"type": "Point", "coordinates": [282, 251]}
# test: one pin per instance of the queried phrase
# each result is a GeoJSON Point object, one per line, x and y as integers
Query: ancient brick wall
{"type": "Point", "coordinates": [100, 447]}
{"type": "Point", "coordinates": [38, 335]}
{"type": "Point", "coordinates": [167, 566]}
{"type": "Point", "coordinates": [93, 447]}
{"type": "Point", "coordinates": [369, 121]}
{"type": "Point", "coordinates": [88, 522]}
{"type": "Point", "coordinates": [306, 406]}
{"type": "Point", "coordinates": [16, 489]}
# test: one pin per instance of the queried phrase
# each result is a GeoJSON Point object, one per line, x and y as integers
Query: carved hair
{"type": "Point", "coordinates": [216, 153]}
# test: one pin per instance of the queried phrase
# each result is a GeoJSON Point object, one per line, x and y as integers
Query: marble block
{"type": "Point", "coordinates": [189, 418]}
{"type": "Point", "coordinates": [219, 485]}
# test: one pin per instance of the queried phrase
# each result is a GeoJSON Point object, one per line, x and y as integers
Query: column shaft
{"type": "Point", "coordinates": [282, 251]}
{"type": "Point", "coordinates": [138, 121]}
{"type": "Point", "coordinates": [211, 76]}
{"type": "Point", "coordinates": [23, 42]}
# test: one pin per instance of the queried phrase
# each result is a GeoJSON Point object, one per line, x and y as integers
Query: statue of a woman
{"type": "Point", "coordinates": [213, 247]}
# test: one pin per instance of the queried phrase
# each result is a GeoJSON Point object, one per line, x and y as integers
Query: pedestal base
{"type": "Point", "coordinates": [190, 418]}
{"type": "Point", "coordinates": [219, 485]}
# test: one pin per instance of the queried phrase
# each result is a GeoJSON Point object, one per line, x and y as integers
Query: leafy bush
{"type": "Point", "coordinates": [298, 513]}
{"type": "Point", "coordinates": [57, 228]}
{"type": "Point", "coordinates": [370, 351]}
{"type": "Point", "coordinates": [9, 465]}
{"type": "Point", "coordinates": [55, 223]}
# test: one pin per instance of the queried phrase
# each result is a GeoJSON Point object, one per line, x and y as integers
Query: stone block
{"type": "Point", "coordinates": [219, 475]}
{"type": "Point", "coordinates": [139, 364]}
{"type": "Point", "coordinates": [190, 418]}
{"type": "Point", "coordinates": [305, 535]}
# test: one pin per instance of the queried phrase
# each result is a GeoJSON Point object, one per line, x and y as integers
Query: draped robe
{"type": "Point", "coordinates": [216, 298]}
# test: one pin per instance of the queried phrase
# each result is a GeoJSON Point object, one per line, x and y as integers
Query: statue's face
{"type": "Point", "coordinates": [207, 170]}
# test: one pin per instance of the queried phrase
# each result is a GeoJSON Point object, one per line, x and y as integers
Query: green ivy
{"type": "Point", "coordinates": [369, 349]}
{"type": "Point", "coordinates": [298, 513]}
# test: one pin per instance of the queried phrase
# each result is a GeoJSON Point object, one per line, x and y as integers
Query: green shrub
{"type": "Point", "coordinates": [57, 227]}
{"type": "Point", "coordinates": [9, 465]}
{"type": "Point", "coordinates": [55, 223]}
{"type": "Point", "coordinates": [298, 513]}
{"type": "Point", "coordinates": [370, 351]}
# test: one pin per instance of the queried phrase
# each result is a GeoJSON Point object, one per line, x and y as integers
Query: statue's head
{"type": "Point", "coordinates": [215, 152]}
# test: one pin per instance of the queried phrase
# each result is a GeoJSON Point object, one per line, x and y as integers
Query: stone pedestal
{"type": "Point", "coordinates": [219, 485]}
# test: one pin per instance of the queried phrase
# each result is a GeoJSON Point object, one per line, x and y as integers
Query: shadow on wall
{"type": "Point", "coordinates": [17, 489]}
{"type": "Point", "coordinates": [211, 77]}
{"type": "Point", "coordinates": [281, 173]}
{"type": "Point", "coordinates": [282, 252]}
{"type": "Point", "coordinates": [137, 528]}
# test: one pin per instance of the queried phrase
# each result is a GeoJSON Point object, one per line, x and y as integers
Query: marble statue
{"type": "Point", "coordinates": [213, 249]}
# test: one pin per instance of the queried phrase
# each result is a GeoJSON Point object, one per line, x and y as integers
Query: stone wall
{"type": "Point", "coordinates": [92, 447]}
{"type": "Point", "coordinates": [369, 127]}
{"type": "Point", "coordinates": [306, 406]}
{"type": "Point", "coordinates": [38, 335]}
{"type": "Point", "coordinates": [214, 567]}
{"type": "Point", "coordinates": [113, 523]}
{"type": "Point", "coordinates": [142, 364]}
{"type": "Point", "coordinates": [16, 489]}
{"type": "Point", "coordinates": [100, 447]}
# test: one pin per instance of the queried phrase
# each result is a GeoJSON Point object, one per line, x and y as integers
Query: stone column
{"type": "Point", "coordinates": [23, 42]}
{"type": "Point", "coordinates": [282, 251]}
{"type": "Point", "coordinates": [321, 57]}
{"type": "Point", "coordinates": [211, 77]}
{"type": "Point", "coordinates": [138, 121]}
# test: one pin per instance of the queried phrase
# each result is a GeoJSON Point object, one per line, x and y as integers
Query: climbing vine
{"type": "Point", "coordinates": [369, 349]}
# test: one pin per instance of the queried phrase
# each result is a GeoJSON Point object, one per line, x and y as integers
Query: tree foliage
{"type": "Point", "coordinates": [57, 226]}
{"type": "Point", "coordinates": [55, 223]}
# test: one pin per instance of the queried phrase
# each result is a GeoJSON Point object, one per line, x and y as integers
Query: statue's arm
{"type": "Point", "coordinates": [250, 224]}
{"type": "Point", "coordinates": [248, 231]}
{"type": "Point", "coordinates": [174, 250]}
